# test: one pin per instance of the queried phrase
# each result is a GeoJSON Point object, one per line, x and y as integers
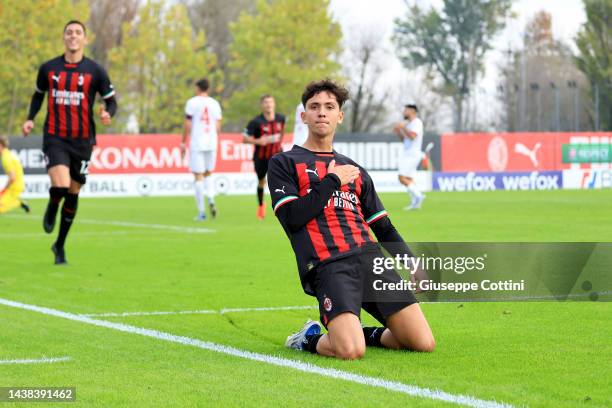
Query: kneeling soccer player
{"type": "Point", "coordinates": [327, 204]}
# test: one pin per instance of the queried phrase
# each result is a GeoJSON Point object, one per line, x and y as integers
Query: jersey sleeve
{"type": "Point", "coordinates": [189, 110]}
{"type": "Point", "coordinates": [42, 83]}
{"type": "Point", "coordinates": [418, 128]}
{"type": "Point", "coordinates": [251, 129]}
{"type": "Point", "coordinates": [372, 207]}
{"type": "Point", "coordinates": [105, 88]}
{"type": "Point", "coordinates": [283, 186]}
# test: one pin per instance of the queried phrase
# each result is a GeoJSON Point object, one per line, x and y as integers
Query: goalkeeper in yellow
{"type": "Point", "coordinates": [9, 194]}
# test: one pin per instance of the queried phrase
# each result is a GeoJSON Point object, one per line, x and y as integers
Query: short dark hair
{"type": "Point", "coordinates": [4, 141]}
{"type": "Point", "coordinates": [325, 85]}
{"type": "Point", "coordinates": [203, 84]}
{"type": "Point", "coordinates": [75, 22]}
{"type": "Point", "coordinates": [411, 106]}
{"type": "Point", "coordinates": [265, 96]}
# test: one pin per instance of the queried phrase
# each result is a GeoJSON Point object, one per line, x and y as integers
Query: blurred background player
{"type": "Point", "coordinates": [69, 132]}
{"type": "Point", "coordinates": [202, 125]}
{"type": "Point", "coordinates": [300, 129]}
{"type": "Point", "coordinates": [411, 134]}
{"type": "Point", "coordinates": [265, 131]}
{"type": "Point", "coordinates": [9, 194]}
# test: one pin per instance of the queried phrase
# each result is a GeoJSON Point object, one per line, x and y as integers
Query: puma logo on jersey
{"type": "Point", "coordinates": [280, 190]}
{"type": "Point", "coordinates": [55, 78]}
{"type": "Point", "coordinates": [312, 171]}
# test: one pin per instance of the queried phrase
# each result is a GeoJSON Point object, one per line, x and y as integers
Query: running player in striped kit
{"type": "Point", "coordinates": [265, 131]}
{"type": "Point", "coordinates": [69, 133]}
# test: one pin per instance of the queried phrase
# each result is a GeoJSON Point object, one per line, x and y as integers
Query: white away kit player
{"type": "Point", "coordinates": [300, 129]}
{"type": "Point", "coordinates": [410, 133]}
{"type": "Point", "coordinates": [202, 123]}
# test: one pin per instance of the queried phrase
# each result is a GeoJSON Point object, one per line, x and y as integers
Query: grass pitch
{"type": "Point", "coordinates": [534, 354]}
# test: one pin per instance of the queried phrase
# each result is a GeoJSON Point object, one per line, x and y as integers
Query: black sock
{"type": "Point", "coordinates": [311, 342]}
{"type": "Point", "coordinates": [260, 195]}
{"type": "Point", "coordinates": [68, 214]}
{"type": "Point", "coordinates": [55, 197]}
{"type": "Point", "coordinates": [372, 336]}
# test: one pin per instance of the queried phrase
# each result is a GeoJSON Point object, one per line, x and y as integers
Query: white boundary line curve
{"type": "Point", "coordinates": [178, 228]}
{"type": "Point", "coordinates": [187, 312]}
{"type": "Point", "coordinates": [407, 389]}
{"type": "Point", "coordinates": [43, 360]}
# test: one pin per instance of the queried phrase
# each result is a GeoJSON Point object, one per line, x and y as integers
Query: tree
{"type": "Point", "coordinates": [451, 44]}
{"type": "Point", "coordinates": [594, 42]}
{"type": "Point", "coordinates": [540, 86]}
{"type": "Point", "coordinates": [364, 69]}
{"type": "Point", "coordinates": [31, 34]}
{"type": "Point", "coordinates": [279, 49]}
{"type": "Point", "coordinates": [434, 109]}
{"type": "Point", "coordinates": [107, 18]}
{"type": "Point", "coordinates": [155, 66]}
{"type": "Point", "coordinates": [214, 17]}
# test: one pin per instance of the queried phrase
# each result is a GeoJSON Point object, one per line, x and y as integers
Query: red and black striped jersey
{"type": "Point", "coordinates": [342, 227]}
{"type": "Point", "coordinates": [259, 127]}
{"type": "Point", "coordinates": [72, 90]}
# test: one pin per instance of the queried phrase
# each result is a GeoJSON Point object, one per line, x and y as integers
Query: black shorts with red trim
{"type": "Point", "coordinates": [347, 285]}
{"type": "Point", "coordinates": [261, 167]}
{"type": "Point", "coordinates": [76, 157]}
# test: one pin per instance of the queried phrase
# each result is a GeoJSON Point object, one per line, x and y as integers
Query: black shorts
{"type": "Point", "coordinates": [261, 167]}
{"type": "Point", "coordinates": [346, 285]}
{"type": "Point", "coordinates": [76, 158]}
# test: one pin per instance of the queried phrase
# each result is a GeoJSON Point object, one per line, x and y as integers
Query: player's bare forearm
{"type": "Point", "coordinates": [186, 130]}
{"type": "Point", "coordinates": [218, 126]}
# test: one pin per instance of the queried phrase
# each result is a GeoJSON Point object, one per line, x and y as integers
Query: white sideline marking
{"type": "Point", "coordinates": [42, 234]}
{"type": "Point", "coordinates": [186, 312]}
{"type": "Point", "coordinates": [411, 390]}
{"type": "Point", "coordinates": [125, 314]}
{"type": "Point", "coordinates": [189, 230]}
{"type": "Point", "coordinates": [265, 309]}
{"type": "Point", "coordinates": [36, 361]}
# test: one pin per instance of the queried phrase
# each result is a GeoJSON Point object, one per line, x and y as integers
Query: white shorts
{"type": "Point", "coordinates": [408, 165]}
{"type": "Point", "coordinates": [202, 161]}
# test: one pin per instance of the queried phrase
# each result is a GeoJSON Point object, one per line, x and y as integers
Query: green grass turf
{"type": "Point", "coordinates": [534, 354]}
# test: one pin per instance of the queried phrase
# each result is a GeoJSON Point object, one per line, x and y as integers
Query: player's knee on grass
{"type": "Point", "coordinates": [350, 349]}
{"type": "Point", "coordinates": [423, 342]}
{"type": "Point", "coordinates": [346, 337]}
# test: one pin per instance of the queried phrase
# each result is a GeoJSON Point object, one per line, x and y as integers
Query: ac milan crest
{"type": "Point", "coordinates": [327, 304]}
